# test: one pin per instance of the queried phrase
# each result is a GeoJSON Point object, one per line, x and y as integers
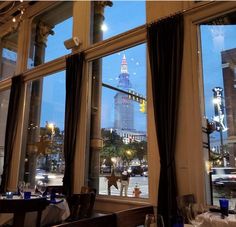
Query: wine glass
{"type": "Point", "coordinates": [41, 186]}
{"type": "Point", "coordinates": [192, 212]}
{"type": "Point", "coordinates": [149, 220]}
{"type": "Point", "coordinates": [21, 186]}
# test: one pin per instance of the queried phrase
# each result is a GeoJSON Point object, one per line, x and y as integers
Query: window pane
{"type": "Point", "coordinates": [9, 55]}
{"type": "Point", "coordinates": [122, 125]}
{"type": "Point", "coordinates": [49, 31]}
{"type": "Point", "coordinates": [43, 158]}
{"type": "Point", "coordinates": [113, 19]}
{"type": "Point", "coordinates": [4, 100]}
{"type": "Point", "coordinates": [219, 57]}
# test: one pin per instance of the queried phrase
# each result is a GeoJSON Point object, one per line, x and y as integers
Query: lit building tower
{"type": "Point", "coordinates": [124, 108]}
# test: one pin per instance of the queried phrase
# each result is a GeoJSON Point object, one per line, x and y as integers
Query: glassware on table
{"type": "Point", "coordinates": [41, 187]}
{"type": "Point", "coordinates": [21, 187]}
{"type": "Point", "coordinates": [9, 195]}
{"type": "Point", "coordinates": [177, 221]}
{"type": "Point", "coordinates": [150, 220]}
{"type": "Point", "coordinates": [224, 206]}
{"type": "Point", "coordinates": [192, 212]}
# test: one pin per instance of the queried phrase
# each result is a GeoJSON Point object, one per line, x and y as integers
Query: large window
{"type": "Point", "coordinates": [114, 17]}
{"type": "Point", "coordinates": [9, 45]}
{"type": "Point", "coordinates": [219, 76]}
{"type": "Point", "coordinates": [43, 158]}
{"type": "Point", "coordinates": [4, 100]}
{"type": "Point", "coordinates": [49, 31]}
{"type": "Point", "coordinates": [119, 119]}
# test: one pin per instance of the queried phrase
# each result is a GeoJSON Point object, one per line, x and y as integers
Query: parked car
{"type": "Point", "coordinates": [41, 175]}
{"type": "Point", "coordinates": [105, 169]}
{"type": "Point", "coordinates": [135, 170]}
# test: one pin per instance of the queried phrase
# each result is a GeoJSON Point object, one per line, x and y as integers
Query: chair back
{"type": "Point", "coordinates": [55, 189]}
{"type": "Point", "coordinates": [19, 207]}
{"type": "Point", "coordinates": [98, 220]}
{"type": "Point", "coordinates": [81, 205]}
{"type": "Point", "coordinates": [133, 217]}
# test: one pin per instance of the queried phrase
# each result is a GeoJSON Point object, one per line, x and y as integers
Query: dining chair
{"type": "Point", "coordinates": [19, 208]}
{"type": "Point", "coordinates": [56, 189]}
{"type": "Point", "coordinates": [81, 205]}
{"type": "Point", "coordinates": [183, 202]}
{"type": "Point", "coordinates": [133, 217]}
{"type": "Point", "coordinates": [99, 220]}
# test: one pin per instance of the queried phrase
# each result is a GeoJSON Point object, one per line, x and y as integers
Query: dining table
{"type": "Point", "coordinates": [215, 219]}
{"type": "Point", "coordinates": [56, 212]}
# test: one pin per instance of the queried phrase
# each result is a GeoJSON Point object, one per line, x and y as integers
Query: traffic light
{"type": "Point", "coordinates": [143, 106]}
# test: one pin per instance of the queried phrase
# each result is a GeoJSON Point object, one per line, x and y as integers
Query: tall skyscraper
{"type": "Point", "coordinates": [124, 107]}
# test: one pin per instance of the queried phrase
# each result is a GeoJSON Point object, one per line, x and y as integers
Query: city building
{"type": "Point", "coordinates": [124, 107]}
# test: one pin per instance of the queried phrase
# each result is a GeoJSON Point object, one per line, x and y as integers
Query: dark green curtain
{"type": "Point", "coordinates": [74, 75]}
{"type": "Point", "coordinates": [11, 126]}
{"type": "Point", "coordinates": [165, 46]}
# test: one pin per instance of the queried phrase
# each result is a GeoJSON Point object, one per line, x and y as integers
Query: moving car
{"type": "Point", "coordinates": [224, 178]}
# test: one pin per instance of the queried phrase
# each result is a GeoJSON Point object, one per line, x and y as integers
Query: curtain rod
{"type": "Point", "coordinates": [184, 11]}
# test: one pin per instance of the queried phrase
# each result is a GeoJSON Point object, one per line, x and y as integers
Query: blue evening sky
{"type": "Point", "coordinates": [121, 17]}
{"type": "Point", "coordinates": [214, 39]}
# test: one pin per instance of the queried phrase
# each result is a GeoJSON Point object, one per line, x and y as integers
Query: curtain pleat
{"type": "Point", "coordinates": [74, 75]}
{"type": "Point", "coordinates": [11, 126]}
{"type": "Point", "coordinates": [165, 46]}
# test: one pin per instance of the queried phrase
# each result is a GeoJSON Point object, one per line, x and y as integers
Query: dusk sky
{"type": "Point", "coordinates": [118, 20]}
{"type": "Point", "coordinates": [214, 39]}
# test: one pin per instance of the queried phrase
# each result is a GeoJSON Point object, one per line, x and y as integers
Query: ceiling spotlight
{"type": "Point", "coordinates": [14, 19]}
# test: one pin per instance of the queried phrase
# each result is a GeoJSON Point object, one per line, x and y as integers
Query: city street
{"type": "Point", "coordinates": [142, 182]}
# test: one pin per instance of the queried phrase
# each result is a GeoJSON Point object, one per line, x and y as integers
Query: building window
{"type": "Point", "coordinates": [119, 120]}
{"type": "Point", "coordinates": [114, 17]}
{"type": "Point", "coordinates": [8, 49]}
{"type": "Point", "coordinates": [49, 31]}
{"type": "Point", "coordinates": [4, 100]}
{"type": "Point", "coordinates": [42, 155]}
{"type": "Point", "coordinates": [219, 79]}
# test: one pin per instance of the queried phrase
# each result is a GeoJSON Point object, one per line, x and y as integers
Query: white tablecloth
{"type": "Point", "coordinates": [212, 219]}
{"type": "Point", "coordinates": [54, 213]}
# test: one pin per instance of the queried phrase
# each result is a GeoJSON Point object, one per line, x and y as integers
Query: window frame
{"type": "Point", "coordinates": [106, 47]}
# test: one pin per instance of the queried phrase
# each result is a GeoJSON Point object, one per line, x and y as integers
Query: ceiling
{"type": "Point", "coordinates": [10, 9]}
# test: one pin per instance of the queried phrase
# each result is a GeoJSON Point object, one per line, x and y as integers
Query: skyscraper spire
{"type": "Point", "coordinates": [124, 66]}
{"type": "Point", "coordinates": [124, 81]}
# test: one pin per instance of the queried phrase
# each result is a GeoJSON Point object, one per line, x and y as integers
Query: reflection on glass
{"type": "Point", "coordinates": [9, 55]}
{"type": "Point", "coordinates": [43, 158]}
{"type": "Point", "coordinates": [122, 124]}
{"type": "Point", "coordinates": [219, 76]}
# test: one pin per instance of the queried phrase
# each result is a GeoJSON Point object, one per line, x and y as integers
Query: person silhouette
{"type": "Point", "coordinates": [124, 182]}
